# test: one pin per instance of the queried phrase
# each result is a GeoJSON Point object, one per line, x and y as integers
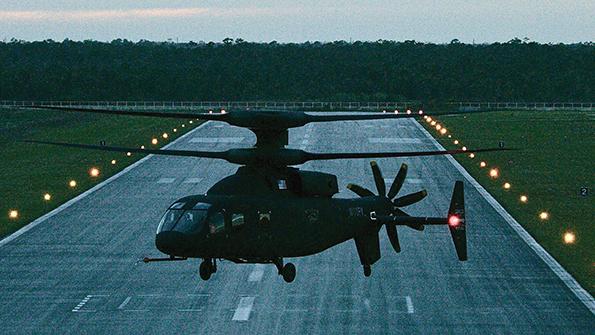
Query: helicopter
{"type": "Point", "coordinates": [269, 210]}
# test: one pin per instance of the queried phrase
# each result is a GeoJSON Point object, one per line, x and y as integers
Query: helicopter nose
{"type": "Point", "coordinates": [172, 242]}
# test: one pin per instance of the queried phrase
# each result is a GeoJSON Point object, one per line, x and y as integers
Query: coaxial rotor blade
{"type": "Point", "coordinates": [177, 115]}
{"type": "Point", "coordinates": [186, 153]}
{"type": "Point", "coordinates": [411, 198]}
{"type": "Point", "coordinates": [310, 156]}
{"type": "Point", "coordinates": [393, 237]}
{"type": "Point", "coordinates": [395, 187]}
{"type": "Point", "coordinates": [378, 180]}
{"type": "Point", "coordinates": [361, 191]}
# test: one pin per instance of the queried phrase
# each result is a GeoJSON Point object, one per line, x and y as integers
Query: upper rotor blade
{"type": "Point", "coordinates": [361, 191]}
{"type": "Point", "coordinates": [177, 115]}
{"type": "Point", "coordinates": [398, 182]}
{"type": "Point", "coordinates": [378, 180]}
{"type": "Point", "coordinates": [355, 117]}
{"type": "Point", "coordinates": [308, 156]}
{"type": "Point", "coordinates": [168, 152]}
{"type": "Point", "coordinates": [410, 199]}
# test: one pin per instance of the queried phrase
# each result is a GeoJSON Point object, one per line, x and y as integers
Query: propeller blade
{"type": "Point", "coordinates": [361, 191]}
{"type": "Point", "coordinates": [398, 182]}
{"type": "Point", "coordinates": [380, 185]}
{"type": "Point", "coordinates": [410, 199]}
{"type": "Point", "coordinates": [393, 236]}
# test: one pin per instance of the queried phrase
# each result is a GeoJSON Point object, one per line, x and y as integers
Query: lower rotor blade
{"type": "Point", "coordinates": [361, 191]}
{"type": "Point", "coordinates": [409, 199]}
{"type": "Point", "coordinates": [380, 185]}
{"type": "Point", "coordinates": [398, 182]}
{"type": "Point", "coordinates": [185, 153]}
{"type": "Point", "coordinates": [393, 237]}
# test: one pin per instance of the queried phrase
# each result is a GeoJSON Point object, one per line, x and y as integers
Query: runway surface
{"type": "Point", "coordinates": [78, 271]}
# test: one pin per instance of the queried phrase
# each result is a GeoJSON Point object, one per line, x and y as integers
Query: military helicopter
{"type": "Point", "coordinates": [269, 210]}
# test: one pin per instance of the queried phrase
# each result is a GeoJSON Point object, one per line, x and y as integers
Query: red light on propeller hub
{"type": "Point", "coordinates": [454, 221]}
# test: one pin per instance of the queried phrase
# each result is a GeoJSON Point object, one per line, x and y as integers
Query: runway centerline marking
{"type": "Point", "coordinates": [216, 140]}
{"type": "Point", "coordinates": [124, 303]}
{"type": "Point", "coordinates": [407, 140]}
{"type": "Point", "coordinates": [410, 309]}
{"type": "Point", "coordinates": [243, 310]}
{"type": "Point", "coordinates": [257, 273]}
{"type": "Point", "coordinates": [165, 180]}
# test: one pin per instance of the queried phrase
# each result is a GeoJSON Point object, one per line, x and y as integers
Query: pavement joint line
{"type": "Point", "coordinates": [566, 278]}
{"type": "Point", "coordinates": [124, 303]}
{"type": "Point", "coordinates": [242, 312]}
{"type": "Point", "coordinates": [88, 192]}
{"type": "Point", "coordinates": [190, 310]}
{"type": "Point", "coordinates": [410, 309]}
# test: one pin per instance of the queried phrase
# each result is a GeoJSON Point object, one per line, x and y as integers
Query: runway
{"type": "Point", "coordinates": [78, 271]}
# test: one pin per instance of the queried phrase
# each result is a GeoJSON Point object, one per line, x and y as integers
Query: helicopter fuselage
{"type": "Point", "coordinates": [262, 228]}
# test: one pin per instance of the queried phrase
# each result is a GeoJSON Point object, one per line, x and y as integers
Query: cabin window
{"type": "Point", "coordinates": [217, 222]}
{"type": "Point", "coordinates": [237, 219]}
{"type": "Point", "coordinates": [264, 218]}
{"type": "Point", "coordinates": [282, 184]}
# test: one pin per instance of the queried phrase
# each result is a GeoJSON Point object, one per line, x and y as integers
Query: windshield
{"type": "Point", "coordinates": [185, 221]}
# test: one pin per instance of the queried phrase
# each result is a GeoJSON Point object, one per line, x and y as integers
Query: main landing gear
{"type": "Point", "coordinates": [207, 268]}
{"type": "Point", "coordinates": [286, 271]}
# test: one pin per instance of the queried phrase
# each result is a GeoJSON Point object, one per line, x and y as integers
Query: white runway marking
{"type": "Point", "coordinates": [190, 310]}
{"type": "Point", "coordinates": [216, 140]}
{"type": "Point", "coordinates": [572, 284]}
{"type": "Point", "coordinates": [192, 180]}
{"type": "Point", "coordinates": [242, 313]}
{"type": "Point", "coordinates": [257, 273]}
{"type": "Point", "coordinates": [124, 303]}
{"type": "Point", "coordinates": [406, 140]}
{"type": "Point", "coordinates": [389, 181]}
{"type": "Point", "coordinates": [166, 180]}
{"type": "Point", "coordinates": [80, 305]}
{"type": "Point", "coordinates": [410, 309]}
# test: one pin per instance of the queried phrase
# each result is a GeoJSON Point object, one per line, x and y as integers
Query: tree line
{"type": "Point", "coordinates": [517, 70]}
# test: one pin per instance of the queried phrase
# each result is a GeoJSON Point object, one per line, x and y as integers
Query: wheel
{"type": "Point", "coordinates": [205, 270]}
{"type": "Point", "coordinates": [367, 270]}
{"type": "Point", "coordinates": [288, 272]}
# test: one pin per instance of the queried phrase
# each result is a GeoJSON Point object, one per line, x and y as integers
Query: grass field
{"type": "Point", "coordinates": [555, 159]}
{"type": "Point", "coordinates": [29, 171]}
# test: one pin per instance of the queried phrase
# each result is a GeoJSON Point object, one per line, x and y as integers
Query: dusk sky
{"type": "Point", "coordinates": [298, 21]}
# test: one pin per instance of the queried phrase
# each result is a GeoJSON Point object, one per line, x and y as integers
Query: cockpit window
{"type": "Point", "coordinates": [169, 219]}
{"type": "Point", "coordinates": [177, 205]}
{"type": "Point", "coordinates": [191, 221]}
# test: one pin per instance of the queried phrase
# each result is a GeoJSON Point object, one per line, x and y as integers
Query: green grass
{"type": "Point", "coordinates": [554, 160]}
{"type": "Point", "coordinates": [28, 171]}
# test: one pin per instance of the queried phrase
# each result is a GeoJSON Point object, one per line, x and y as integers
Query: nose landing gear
{"type": "Point", "coordinates": [286, 271]}
{"type": "Point", "coordinates": [207, 267]}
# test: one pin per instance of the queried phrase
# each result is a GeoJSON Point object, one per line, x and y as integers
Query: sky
{"type": "Point", "coordinates": [479, 21]}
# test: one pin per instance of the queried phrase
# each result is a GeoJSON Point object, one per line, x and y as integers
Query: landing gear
{"type": "Point", "coordinates": [207, 268]}
{"type": "Point", "coordinates": [286, 271]}
{"type": "Point", "coordinates": [367, 270]}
